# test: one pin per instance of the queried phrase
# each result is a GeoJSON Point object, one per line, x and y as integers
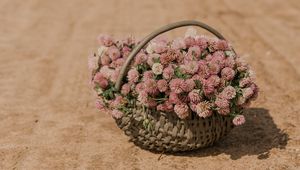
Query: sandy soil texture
{"type": "Point", "coordinates": [47, 115]}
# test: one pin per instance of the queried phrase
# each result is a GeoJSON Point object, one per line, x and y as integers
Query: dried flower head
{"type": "Point", "coordinates": [203, 109]}
{"type": "Point", "coordinates": [182, 110]}
{"type": "Point", "coordinates": [238, 120]}
{"type": "Point", "coordinates": [157, 68]}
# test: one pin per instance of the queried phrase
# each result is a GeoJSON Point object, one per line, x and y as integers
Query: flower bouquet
{"type": "Point", "coordinates": [172, 95]}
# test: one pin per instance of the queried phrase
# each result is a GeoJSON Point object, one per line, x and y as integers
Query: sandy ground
{"type": "Point", "coordinates": [47, 115]}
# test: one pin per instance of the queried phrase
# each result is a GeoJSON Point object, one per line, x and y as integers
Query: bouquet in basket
{"type": "Point", "coordinates": [192, 74]}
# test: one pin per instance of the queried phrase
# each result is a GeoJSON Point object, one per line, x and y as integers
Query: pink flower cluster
{"type": "Point", "coordinates": [190, 75]}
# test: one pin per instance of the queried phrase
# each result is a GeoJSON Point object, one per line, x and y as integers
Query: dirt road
{"type": "Point", "coordinates": [47, 115]}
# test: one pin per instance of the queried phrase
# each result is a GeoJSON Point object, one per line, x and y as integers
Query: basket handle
{"type": "Point", "coordinates": [157, 32]}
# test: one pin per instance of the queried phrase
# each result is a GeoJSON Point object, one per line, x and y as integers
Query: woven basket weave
{"type": "Point", "coordinates": [165, 131]}
{"type": "Point", "coordinates": [168, 133]}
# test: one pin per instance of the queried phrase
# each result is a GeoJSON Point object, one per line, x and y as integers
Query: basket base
{"type": "Point", "coordinates": [157, 131]}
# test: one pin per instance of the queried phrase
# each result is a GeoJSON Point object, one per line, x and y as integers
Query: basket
{"type": "Point", "coordinates": [166, 132]}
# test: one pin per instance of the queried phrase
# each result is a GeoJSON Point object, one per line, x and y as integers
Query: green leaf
{"type": "Point", "coordinates": [198, 84]}
{"type": "Point", "coordinates": [142, 68]}
{"type": "Point", "coordinates": [124, 109]}
{"type": "Point", "coordinates": [156, 60]}
{"type": "Point", "coordinates": [210, 49]}
{"type": "Point", "coordinates": [109, 93]}
{"type": "Point", "coordinates": [229, 53]}
{"type": "Point", "coordinates": [179, 74]}
{"type": "Point", "coordinates": [158, 77]}
{"type": "Point", "coordinates": [204, 54]}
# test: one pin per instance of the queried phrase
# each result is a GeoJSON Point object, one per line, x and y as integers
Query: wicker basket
{"type": "Point", "coordinates": [165, 131]}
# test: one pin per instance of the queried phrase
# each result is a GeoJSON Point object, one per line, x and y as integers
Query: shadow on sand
{"type": "Point", "coordinates": [256, 137]}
